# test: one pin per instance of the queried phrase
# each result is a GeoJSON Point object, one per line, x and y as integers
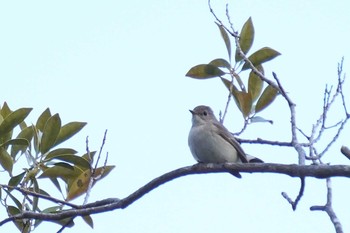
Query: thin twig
{"type": "Point", "coordinates": [297, 199]}
{"type": "Point", "coordinates": [92, 180]}
{"type": "Point", "coordinates": [328, 208]}
{"type": "Point", "coordinates": [39, 195]}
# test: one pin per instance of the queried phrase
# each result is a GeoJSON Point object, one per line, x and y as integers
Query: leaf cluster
{"type": "Point", "coordinates": [39, 143]}
{"type": "Point", "coordinates": [256, 98]}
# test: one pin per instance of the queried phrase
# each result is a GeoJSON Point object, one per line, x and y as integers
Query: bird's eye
{"type": "Point", "coordinates": [205, 113]}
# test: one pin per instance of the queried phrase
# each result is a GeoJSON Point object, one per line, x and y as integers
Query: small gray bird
{"type": "Point", "coordinates": [211, 142]}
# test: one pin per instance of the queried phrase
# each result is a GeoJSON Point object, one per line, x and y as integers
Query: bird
{"type": "Point", "coordinates": [211, 142]}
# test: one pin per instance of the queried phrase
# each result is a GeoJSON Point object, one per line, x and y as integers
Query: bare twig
{"type": "Point", "coordinates": [39, 195]}
{"type": "Point", "coordinates": [297, 199]}
{"type": "Point", "coordinates": [264, 142]}
{"type": "Point", "coordinates": [328, 208]}
{"type": "Point", "coordinates": [222, 118]}
{"type": "Point", "coordinates": [345, 151]}
{"type": "Point", "coordinates": [92, 180]}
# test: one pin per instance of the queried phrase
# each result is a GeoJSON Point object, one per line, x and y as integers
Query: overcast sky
{"type": "Point", "coordinates": [121, 65]}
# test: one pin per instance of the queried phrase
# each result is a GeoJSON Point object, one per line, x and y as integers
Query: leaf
{"type": "Point", "coordinates": [14, 199]}
{"type": "Point", "coordinates": [246, 38]}
{"type": "Point", "coordinates": [15, 180]}
{"type": "Point", "coordinates": [219, 62]}
{"type": "Point", "coordinates": [79, 185]}
{"type": "Point", "coordinates": [5, 110]}
{"type": "Point", "coordinates": [1, 119]}
{"type": "Point", "coordinates": [22, 125]}
{"type": "Point", "coordinates": [52, 209]}
{"type": "Point", "coordinates": [36, 190]}
{"type": "Point", "coordinates": [226, 39]}
{"type": "Point", "coordinates": [232, 88]}
{"type": "Point", "coordinates": [228, 84]}
{"type": "Point", "coordinates": [262, 55]}
{"type": "Point", "coordinates": [76, 160]}
{"type": "Point", "coordinates": [21, 224]}
{"type": "Point", "coordinates": [14, 142]}
{"type": "Point", "coordinates": [102, 171]}
{"type": "Point", "coordinates": [66, 222]}
{"type": "Point", "coordinates": [6, 160]}
{"type": "Point", "coordinates": [204, 71]}
{"type": "Point", "coordinates": [50, 133]}
{"type": "Point", "coordinates": [60, 170]}
{"type": "Point", "coordinates": [37, 135]}
{"type": "Point", "coordinates": [266, 98]}
{"type": "Point", "coordinates": [41, 122]}
{"type": "Point", "coordinates": [88, 220]}
{"type": "Point", "coordinates": [89, 156]}
{"type": "Point", "coordinates": [60, 151]}
{"type": "Point", "coordinates": [13, 119]}
{"type": "Point", "coordinates": [68, 131]}
{"type": "Point", "coordinates": [245, 102]}
{"type": "Point", "coordinates": [255, 84]}
{"type": "Point", "coordinates": [258, 119]}
{"type": "Point", "coordinates": [27, 134]}
{"type": "Point", "coordinates": [56, 183]}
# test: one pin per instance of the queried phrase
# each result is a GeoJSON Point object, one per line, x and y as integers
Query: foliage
{"type": "Point", "coordinates": [256, 98]}
{"type": "Point", "coordinates": [46, 161]}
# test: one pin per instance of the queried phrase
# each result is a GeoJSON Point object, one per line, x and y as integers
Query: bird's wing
{"type": "Point", "coordinates": [224, 133]}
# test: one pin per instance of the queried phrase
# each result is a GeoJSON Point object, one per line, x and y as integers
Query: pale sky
{"type": "Point", "coordinates": [121, 65]}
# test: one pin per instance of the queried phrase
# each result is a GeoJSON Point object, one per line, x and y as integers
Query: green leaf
{"type": "Point", "coordinates": [89, 156]}
{"type": "Point", "coordinates": [78, 185]}
{"type": "Point", "coordinates": [76, 160]}
{"type": "Point", "coordinates": [21, 224]}
{"type": "Point", "coordinates": [54, 180]}
{"type": "Point", "coordinates": [246, 38]}
{"type": "Point", "coordinates": [14, 199]}
{"type": "Point", "coordinates": [232, 88]}
{"type": "Point", "coordinates": [226, 39]}
{"type": "Point", "coordinates": [6, 160]}
{"type": "Point", "coordinates": [245, 102]}
{"type": "Point", "coordinates": [15, 180]}
{"type": "Point", "coordinates": [5, 110]}
{"type": "Point", "coordinates": [13, 119]}
{"type": "Point", "coordinates": [41, 122]}
{"type": "Point", "coordinates": [255, 84]}
{"type": "Point", "coordinates": [262, 55]}
{"type": "Point", "coordinates": [36, 190]}
{"type": "Point", "coordinates": [66, 222]}
{"type": "Point", "coordinates": [228, 84]}
{"type": "Point", "coordinates": [60, 170]}
{"type": "Point", "coordinates": [102, 172]}
{"type": "Point", "coordinates": [68, 131]}
{"type": "Point", "coordinates": [50, 133]}
{"type": "Point", "coordinates": [219, 62]}
{"type": "Point", "coordinates": [266, 98]}
{"type": "Point", "coordinates": [60, 151]}
{"type": "Point", "coordinates": [37, 135]}
{"type": "Point", "coordinates": [204, 71]}
{"type": "Point", "coordinates": [14, 142]}
{"type": "Point", "coordinates": [52, 209]}
{"type": "Point", "coordinates": [88, 220]}
{"type": "Point", "coordinates": [26, 134]}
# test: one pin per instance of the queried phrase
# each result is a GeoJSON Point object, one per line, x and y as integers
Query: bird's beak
{"type": "Point", "coordinates": [192, 112]}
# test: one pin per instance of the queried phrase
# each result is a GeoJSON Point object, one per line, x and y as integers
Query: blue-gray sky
{"type": "Point", "coordinates": [120, 65]}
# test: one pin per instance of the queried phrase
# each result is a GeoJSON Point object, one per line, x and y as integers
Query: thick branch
{"type": "Point", "coordinates": [293, 170]}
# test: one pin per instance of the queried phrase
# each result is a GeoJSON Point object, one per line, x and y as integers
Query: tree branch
{"type": "Point", "coordinates": [293, 170]}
